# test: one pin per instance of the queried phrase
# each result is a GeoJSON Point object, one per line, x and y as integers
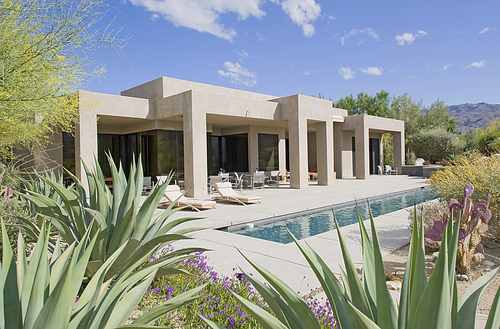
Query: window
{"type": "Point", "coordinates": [268, 152]}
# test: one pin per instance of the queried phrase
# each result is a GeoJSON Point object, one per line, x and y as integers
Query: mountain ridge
{"type": "Point", "coordinates": [470, 116]}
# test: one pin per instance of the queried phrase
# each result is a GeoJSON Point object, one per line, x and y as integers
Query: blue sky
{"type": "Point", "coordinates": [428, 49]}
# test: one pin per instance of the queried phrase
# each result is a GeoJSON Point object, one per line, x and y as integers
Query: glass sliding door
{"type": "Point", "coordinates": [268, 152]}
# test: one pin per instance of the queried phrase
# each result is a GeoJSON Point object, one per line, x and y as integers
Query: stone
{"type": "Point", "coordinates": [394, 285]}
{"type": "Point", "coordinates": [491, 244]}
{"type": "Point", "coordinates": [463, 277]}
{"type": "Point", "coordinates": [487, 263]}
{"type": "Point", "coordinates": [435, 256]}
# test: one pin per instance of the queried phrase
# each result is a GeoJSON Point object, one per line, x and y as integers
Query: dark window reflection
{"type": "Point", "coordinates": [268, 152]}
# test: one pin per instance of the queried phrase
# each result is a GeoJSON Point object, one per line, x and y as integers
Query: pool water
{"type": "Point", "coordinates": [311, 223]}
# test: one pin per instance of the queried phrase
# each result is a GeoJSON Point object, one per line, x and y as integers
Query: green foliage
{"type": "Point", "coordinates": [377, 105]}
{"type": "Point", "coordinates": [404, 108]}
{"type": "Point", "coordinates": [43, 293]}
{"type": "Point", "coordinates": [488, 143]}
{"type": "Point", "coordinates": [410, 156]}
{"type": "Point", "coordinates": [119, 217]}
{"type": "Point", "coordinates": [435, 145]}
{"type": "Point", "coordinates": [388, 148]}
{"type": "Point", "coordinates": [482, 172]}
{"type": "Point", "coordinates": [366, 302]}
{"type": "Point", "coordinates": [437, 115]}
{"type": "Point", "coordinates": [46, 50]}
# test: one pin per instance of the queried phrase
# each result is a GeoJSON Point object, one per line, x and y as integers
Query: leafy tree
{"type": "Point", "coordinates": [365, 104]}
{"type": "Point", "coordinates": [404, 108]}
{"type": "Point", "coordinates": [46, 50]}
{"type": "Point", "coordinates": [437, 115]}
{"type": "Point", "coordinates": [489, 142]}
{"type": "Point", "coordinates": [435, 145]}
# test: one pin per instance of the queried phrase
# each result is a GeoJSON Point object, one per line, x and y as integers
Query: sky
{"type": "Point", "coordinates": [428, 49]}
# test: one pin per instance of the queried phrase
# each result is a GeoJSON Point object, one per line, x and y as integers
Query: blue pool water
{"type": "Point", "coordinates": [315, 222]}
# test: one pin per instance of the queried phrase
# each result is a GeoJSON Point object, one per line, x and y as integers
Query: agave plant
{"type": "Point", "coordinates": [473, 221]}
{"type": "Point", "coordinates": [119, 217]}
{"type": "Point", "coordinates": [366, 302]}
{"type": "Point", "coordinates": [43, 293]}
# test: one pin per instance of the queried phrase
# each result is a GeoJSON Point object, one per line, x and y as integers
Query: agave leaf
{"type": "Point", "coordinates": [494, 316]}
{"type": "Point", "coordinates": [59, 267]}
{"type": "Point", "coordinates": [418, 276]}
{"type": "Point", "coordinates": [168, 306]}
{"type": "Point", "coordinates": [386, 310]}
{"type": "Point", "coordinates": [22, 262]}
{"type": "Point", "coordinates": [123, 230]}
{"type": "Point", "coordinates": [211, 324]}
{"type": "Point", "coordinates": [291, 297]}
{"type": "Point", "coordinates": [266, 320]}
{"type": "Point", "coordinates": [127, 303]}
{"type": "Point", "coordinates": [468, 302]}
{"type": "Point", "coordinates": [404, 296]}
{"type": "Point", "coordinates": [57, 250]}
{"type": "Point", "coordinates": [362, 319]}
{"type": "Point", "coordinates": [280, 308]}
{"type": "Point", "coordinates": [435, 303]}
{"type": "Point", "coordinates": [170, 225]}
{"type": "Point", "coordinates": [36, 281]}
{"type": "Point", "coordinates": [331, 286]}
{"type": "Point", "coordinates": [358, 296]}
{"type": "Point", "coordinates": [10, 311]}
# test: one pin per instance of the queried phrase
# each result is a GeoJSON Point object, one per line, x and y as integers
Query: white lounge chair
{"type": "Point", "coordinates": [225, 192]}
{"type": "Point", "coordinates": [174, 195]}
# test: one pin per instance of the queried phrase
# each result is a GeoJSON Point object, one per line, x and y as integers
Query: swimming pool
{"type": "Point", "coordinates": [317, 221]}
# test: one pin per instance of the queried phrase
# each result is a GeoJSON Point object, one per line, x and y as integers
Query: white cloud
{"type": "Point", "coordinates": [302, 13]}
{"type": "Point", "coordinates": [243, 54]}
{"type": "Point", "coordinates": [372, 70]}
{"type": "Point", "coordinates": [346, 72]}
{"type": "Point", "coordinates": [486, 29]}
{"type": "Point", "coordinates": [331, 17]}
{"type": "Point", "coordinates": [238, 74]}
{"type": "Point", "coordinates": [409, 37]}
{"type": "Point", "coordinates": [260, 36]}
{"type": "Point", "coordinates": [307, 73]}
{"type": "Point", "coordinates": [477, 65]}
{"type": "Point", "coordinates": [445, 67]}
{"type": "Point", "coordinates": [203, 16]}
{"type": "Point", "coordinates": [368, 31]}
{"type": "Point", "coordinates": [154, 17]}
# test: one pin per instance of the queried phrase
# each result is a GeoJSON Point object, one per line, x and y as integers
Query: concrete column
{"type": "Point", "coordinates": [253, 149]}
{"type": "Point", "coordinates": [282, 152]}
{"type": "Point", "coordinates": [325, 149]}
{"type": "Point", "coordinates": [195, 150]}
{"type": "Point", "coordinates": [362, 152]}
{"type": "Point", "coordinates": [297, 131]}
{"type": "Point", "coordinates": [399, 151]}
{"type": "Point", "coordinates": [338, 159]}
{"type": "Point", "coordinates": [85, 145]}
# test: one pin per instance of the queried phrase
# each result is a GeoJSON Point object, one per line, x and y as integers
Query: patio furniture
{"type": "Point", "coordinates": [259, 178]}
{"type": "Point", "coordinates": [213, 179]}
{"type": "Point", "coordinates": [146, 184]}
{"type": "Point", "coordinates": [175, 197]}
{"type": "Point", "coordinates": [238, 181]}
{"type": "Point", "coordinates": [379, 170]}
{"type": "Point", "coordinates": [162, 179]}
{"type": "Point", "coordinates": [390, 171]}
{"type": "Point", "coordinates": [273, 178]}
{"type": "Point", "coordinates": [226, 193]}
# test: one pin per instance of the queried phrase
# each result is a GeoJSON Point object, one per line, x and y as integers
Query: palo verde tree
{"type": "Point", "coordinates": [46, 50]}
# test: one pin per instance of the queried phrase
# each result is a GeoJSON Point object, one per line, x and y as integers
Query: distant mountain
{"type": "Point", "coordinates": [472, 116]}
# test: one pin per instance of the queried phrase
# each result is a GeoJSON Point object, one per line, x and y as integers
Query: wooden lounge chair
{"type": "Point", "coordinates": [225, 192]}
{"type": "Point", "coordinates": [174, 195]}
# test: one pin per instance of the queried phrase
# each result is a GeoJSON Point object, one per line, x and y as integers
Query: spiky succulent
{"type": "Point", "coordinates": [473, 222]}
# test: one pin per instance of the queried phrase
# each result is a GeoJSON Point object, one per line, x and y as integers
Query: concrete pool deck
{"type": "Point", "coordinates": [285, 260]}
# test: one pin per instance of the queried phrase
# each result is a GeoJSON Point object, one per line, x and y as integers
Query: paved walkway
{"type": "Point", "coordinates": [285, 260]}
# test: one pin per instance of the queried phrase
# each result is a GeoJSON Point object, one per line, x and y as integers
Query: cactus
{"type": "Point", "coordinates": [473, 222]}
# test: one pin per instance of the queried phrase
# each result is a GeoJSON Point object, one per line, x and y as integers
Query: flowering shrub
{"type": "Point", "coordinates": [482, 172]}
{"type": "Point", "coordinates": [216, 303]}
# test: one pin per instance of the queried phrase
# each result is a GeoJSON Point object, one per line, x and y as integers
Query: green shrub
{"type": "Point", "coordinates": [435, 145]}
{"type": "Point", "coordinates": [488, 142]}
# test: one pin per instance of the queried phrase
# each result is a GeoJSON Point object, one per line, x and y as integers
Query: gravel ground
{"type": "Point", "coordinates": [395, 262]}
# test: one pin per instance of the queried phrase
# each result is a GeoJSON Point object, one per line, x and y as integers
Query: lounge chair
{"type": "Point", "coordinates": [225, 192]}
{"type": "Point", "coordinates": [174, 195]}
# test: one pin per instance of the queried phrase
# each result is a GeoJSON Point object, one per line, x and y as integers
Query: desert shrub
{"type": "Point", "coordinates": [482, 172]}
{"type": "Point", "coordinates": [488, 142]}
{"type": "Point", "coordinates": [411, 158]}
{"type": "Point", "coordinates": [432, 210]}
{"type": "Point", "coordinates": [435, 145]}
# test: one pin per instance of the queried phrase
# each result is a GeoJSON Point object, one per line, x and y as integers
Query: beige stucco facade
{"type": "Point", "coordinates": [318, 135]}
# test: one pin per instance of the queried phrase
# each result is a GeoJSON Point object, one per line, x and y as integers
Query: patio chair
{"type": "Point", "coordinates": [379, 170]}
{"type": "Point", "coordinates": [226, 193]}
{"type": "Point", "coordinates": [174, 196]}
{"type": "Point", "coordinates": [390, 171]}
{"type": "Point", "coordinates": [238, 181]}
{"type": "Point", "coordinates": [212, 180]}
{"type": "Point", "coordinates": [146, 184]}
{"type": "Point", "coordinates": [259, 178]}
{"type": "Point", "coordinates": [274, 178]}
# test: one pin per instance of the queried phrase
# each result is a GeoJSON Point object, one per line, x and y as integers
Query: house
{"type": "Point", "coordinates": [196, 129]}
